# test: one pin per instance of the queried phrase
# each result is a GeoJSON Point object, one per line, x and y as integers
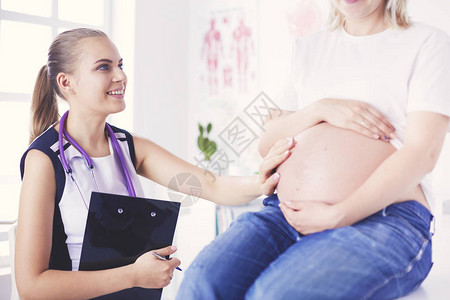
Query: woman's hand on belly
{"type": "Point", "coordinates": [357, 116]}
{"type": "Point", "coordinates": [279, 152]}
{"type": "Point", "coordinates": [311, 217]}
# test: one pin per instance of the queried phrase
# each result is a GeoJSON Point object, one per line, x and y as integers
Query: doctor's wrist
{"type": "Point", "coordinates": [130, 276]}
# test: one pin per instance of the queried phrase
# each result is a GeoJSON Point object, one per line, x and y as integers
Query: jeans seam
{"type": "Point", "coordinates": [414, 230]}
{"type": "Point", "coordinates": [408, 269]}
{"type": "Point", "coordinates": [423, 213]}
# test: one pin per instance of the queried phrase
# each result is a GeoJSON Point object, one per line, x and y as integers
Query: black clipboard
{"type": "Point", "coordinates": [121, 228]}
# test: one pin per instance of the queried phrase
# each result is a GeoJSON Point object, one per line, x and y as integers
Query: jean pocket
{"type": "Point", "coordinates": [415, 229]}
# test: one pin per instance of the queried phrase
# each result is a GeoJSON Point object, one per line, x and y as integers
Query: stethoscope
{"type": "Point", "coordinates": [89, 163]}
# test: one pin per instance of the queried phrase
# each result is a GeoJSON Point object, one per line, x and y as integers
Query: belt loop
{"type": "Point", "coordinates": [384, 212]}
{"type": "Point", "coordinates": [433, 227]}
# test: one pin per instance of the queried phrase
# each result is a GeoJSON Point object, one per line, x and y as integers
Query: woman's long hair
{"type": "Point", "coordinates": [62, 57]}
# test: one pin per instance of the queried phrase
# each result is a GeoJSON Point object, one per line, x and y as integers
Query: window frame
{"type": "Point", "coordinates": [55, 24]}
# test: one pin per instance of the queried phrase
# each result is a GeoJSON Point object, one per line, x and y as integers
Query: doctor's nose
{"type": "Point", "coordinates": [119, 75]}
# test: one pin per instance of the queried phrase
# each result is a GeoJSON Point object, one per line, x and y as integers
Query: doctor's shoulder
{"type": "Point", "coordinates": [38, 181]}
{"type": "Point", "coordinates": [38, 162]}
{"type": "Point", "coordinates": [41, 157]}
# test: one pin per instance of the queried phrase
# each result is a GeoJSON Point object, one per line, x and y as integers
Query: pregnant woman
{"type": "Point", "coordinates": [368, 105]}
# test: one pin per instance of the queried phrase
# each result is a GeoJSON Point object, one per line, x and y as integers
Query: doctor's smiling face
{"type": "Point", "coordinates": [99, 82]}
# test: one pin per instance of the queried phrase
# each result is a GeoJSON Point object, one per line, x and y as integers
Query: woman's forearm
{"type": "Point", "coordinates": [288, 125]}
{"type": "Point", "coordinates": [397, 176]}
{"type": "Point", "coordinates": [235, 190]}
{"type": "Point", "coordinates": [401, 172]}
{"type": "Point", "coordinates": [55, 284]}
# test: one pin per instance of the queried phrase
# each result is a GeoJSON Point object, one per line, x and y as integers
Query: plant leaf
{"type": "Point", "coordinates": [211, 148]}
{"type": "Point", "coordinates": [201, 143]}
{"type": "Point", "coordinates": [209, 127]}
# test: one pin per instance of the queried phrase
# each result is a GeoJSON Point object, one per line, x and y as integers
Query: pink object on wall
{"type": "Point", "coordinates": [243, 45]}
{"type": "Point", "coordinates": [303, 17]}
{"type": "Point", "coordinates": [212, 49]}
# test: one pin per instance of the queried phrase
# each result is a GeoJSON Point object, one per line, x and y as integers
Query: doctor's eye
{"type": "Point", "coordinates": [121, 66]}
{"type": "Point", "coordinates": [104, 67]}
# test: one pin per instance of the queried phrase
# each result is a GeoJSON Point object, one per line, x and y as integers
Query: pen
{"type": "Point", "coordinates": [163, 258]}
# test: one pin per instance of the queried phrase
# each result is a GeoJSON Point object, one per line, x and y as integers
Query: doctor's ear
{"type": "Point", "coordinates": [64, 84]}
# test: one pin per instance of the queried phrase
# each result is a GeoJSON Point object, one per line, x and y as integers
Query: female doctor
{"type": "Point", "coordinates": [85, 68]}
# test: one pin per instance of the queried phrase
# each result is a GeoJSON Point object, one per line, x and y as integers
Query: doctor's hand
{"type": "Point", "coordinates": [357, 116]}
{"type": "Point", "coordinates": [279, 152]}
{"type": "Point", "coordinates": [150, 272]}
{"type": "Point", "coordinates": [311, 217]}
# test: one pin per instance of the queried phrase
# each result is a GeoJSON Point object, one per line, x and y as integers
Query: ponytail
{"type": "Point", "coordinates": [44, 106]}
{"type": "Point", "coordinates": [63, 57]}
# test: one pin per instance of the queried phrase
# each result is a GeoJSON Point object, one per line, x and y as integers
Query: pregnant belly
{"type": "Point", "coordinates": [329, 163]}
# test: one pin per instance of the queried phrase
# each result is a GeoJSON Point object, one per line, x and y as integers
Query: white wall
{"type": "Point", "coordinates": [161, 111]}
{"type": "Point", "coordinates": [161, 72]}
{"type": "Point", "coordinates": [434, 12]}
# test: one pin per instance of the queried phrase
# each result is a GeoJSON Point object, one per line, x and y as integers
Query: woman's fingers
{"type": "Point", "coordinates": [174, 263]}
{"type": "Point", "coordinates": [380, 117]}
{"type": "Point", "coordinates": [372, 126]}
{"type": "Point", "coordinates": [375, 128]}
{"type": "Point", "coordinates": [277, 154]}
{"type": "Point", "coordinates": [166, 250]}
{"type": "Point", "coordinates": [268, 180]}
{"type": "Point", "coordinates": [377, 124]}
{"type": "Point", "coordinates": [361, 128]}
{"type": "Point", "coordinates": [280, 146]}
{"type": "Point", "coordinates": [358, 116]}
{"type": "Point", "coordinates": [270, 184]}
{"type": "Point", "coordinates": [270, 163]}
{"type": "Point", "coordinates": [369, 128]}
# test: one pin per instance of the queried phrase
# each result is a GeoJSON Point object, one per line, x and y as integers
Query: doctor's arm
{"type": "Point", "coordinates": [398, 175]}
{"type": "Point", "coordinates": [161, 166]}
{"type": "Point", "coordinates": [34, 242]}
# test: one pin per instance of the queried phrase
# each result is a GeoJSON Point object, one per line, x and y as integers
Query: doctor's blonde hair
{"type": "Point", "coordinates": [395, 12]}
{"type": "Point", "coordinates": [62, 57]}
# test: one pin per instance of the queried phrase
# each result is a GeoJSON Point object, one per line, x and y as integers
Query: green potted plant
{"type": "Point", "coordinates": [207, 146]}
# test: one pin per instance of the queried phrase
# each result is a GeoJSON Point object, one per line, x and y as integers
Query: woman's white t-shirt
{"type": "Point", "coordinates": [396, 71]}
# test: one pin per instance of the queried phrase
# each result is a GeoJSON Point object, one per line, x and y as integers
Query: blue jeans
{"type": "Point", "coordinates": [384, 256]}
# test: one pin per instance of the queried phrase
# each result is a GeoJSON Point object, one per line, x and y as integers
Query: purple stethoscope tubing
{"type": "Point", "coordinates": [115, 144]}
{"type": "Point", "coordinates": [117, 148]}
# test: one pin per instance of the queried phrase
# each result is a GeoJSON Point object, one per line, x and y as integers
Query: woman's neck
{"type": "Point", "coordinates": [368, 25]}
{"type": "Point", "coordinates": [89, 133]}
